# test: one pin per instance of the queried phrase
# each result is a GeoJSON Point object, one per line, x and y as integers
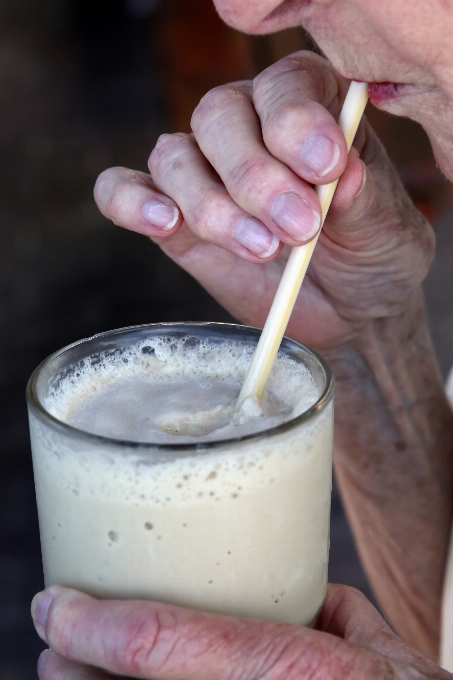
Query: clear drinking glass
{"type": "Point", "coordinates": [239, 526]}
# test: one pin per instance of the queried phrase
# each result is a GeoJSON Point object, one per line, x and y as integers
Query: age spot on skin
{"type": "Point", "coordinates": [236, 93]}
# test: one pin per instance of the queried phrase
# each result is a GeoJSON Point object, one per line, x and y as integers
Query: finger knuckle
{"type": "Point", "coordinates": [274, 72]}
{"type": "Point", "coordinates": [215, 102]}
{"type": "Point", "coordinates": [266, 86]}
{"type": "Point", "coordinates": [207, 205]}
{"type": "Point", "coordinates": [148, 644]}
{"type": "Point", "coordinates": [280, 120]}
{"type": "Point", "coordinates": [247, 175]}
{"type": "Point", "coordinates": [315, 78]}
{"type": "Point", "coordinates": [288, 63]}
{"type": "Point", "coordinates": [168, 149]}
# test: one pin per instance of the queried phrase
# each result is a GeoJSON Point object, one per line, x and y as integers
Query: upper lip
{"type": "Point", "coordinates": [397, 85]}
{"type": "Point", "coordinates": [365, 79]}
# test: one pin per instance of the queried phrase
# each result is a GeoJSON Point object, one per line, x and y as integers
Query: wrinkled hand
{"type": "Point", "coordinates": [164, 642]}
{"type": "Point", "coordinates": [235, 192]}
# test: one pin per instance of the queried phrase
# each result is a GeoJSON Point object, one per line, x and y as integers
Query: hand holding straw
{"type": "Point", "coordinates": [298, 261]}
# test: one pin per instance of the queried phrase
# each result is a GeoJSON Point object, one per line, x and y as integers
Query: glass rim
{"type": "Point", "coordinates": [41, 412]}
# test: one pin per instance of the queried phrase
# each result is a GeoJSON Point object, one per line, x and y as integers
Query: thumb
{"type": "Point", "coordinates": [165, 642]}
{"type": "Point", "coordinates": [353, 196]}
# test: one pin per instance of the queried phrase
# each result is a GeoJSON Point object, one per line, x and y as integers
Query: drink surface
{"type": "Point", "coordinates": [168, 392]}
{"type": "Point", "coordinates": [241, 528]}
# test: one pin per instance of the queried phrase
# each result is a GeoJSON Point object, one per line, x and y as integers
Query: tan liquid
{"type": "Point", "coordinates": [241, 528]}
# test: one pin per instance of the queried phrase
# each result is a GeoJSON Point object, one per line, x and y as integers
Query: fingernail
{"type": "Point", "coordinates": [39, 610]}
{"type": "Point", "coordinates": [254, 236]}
{"type": "Point", "coordinates": [160, 215]}
{"type": "Point", "coordinates": [320, 154]}
{"type": "Point", "coordinates": [362, 186]}
{"type": "Point", "coordinates": [42, 662]}
{"type": "Point", "coordinates": [295, 216]}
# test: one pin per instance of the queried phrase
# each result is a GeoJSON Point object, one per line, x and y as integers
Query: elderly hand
{"type": "Point", "coordinates": [229, 197]}
{"type": "Point", "coordinates": [224, 201]}
{"type": "Point", "coordinates": [164, 642]}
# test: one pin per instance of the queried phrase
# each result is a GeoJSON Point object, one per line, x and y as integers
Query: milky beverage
{"type": "Point", "coordinates": [202, 518]}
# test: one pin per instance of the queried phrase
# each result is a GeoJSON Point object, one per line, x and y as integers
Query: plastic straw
{"type": "Point", "coordinates": [298, 261]}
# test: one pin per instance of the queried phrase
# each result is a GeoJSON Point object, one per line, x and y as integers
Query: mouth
{"type": "Point", "coordinates": [380, 93]}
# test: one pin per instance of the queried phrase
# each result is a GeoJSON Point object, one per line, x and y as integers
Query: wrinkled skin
{"type": "Point", "coordinates": [373, 251]}
{"type": "Point", "coordinates": [402, 43]}
{"type": "Point", "coordinates": [164, 642]}
{"type": "Point", "coordinates": [214, 201]}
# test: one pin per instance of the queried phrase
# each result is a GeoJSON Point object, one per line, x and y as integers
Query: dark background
{"type": "Point", "coordinates": [85, 84]}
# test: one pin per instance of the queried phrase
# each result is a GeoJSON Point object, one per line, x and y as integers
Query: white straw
{"type": "Point", "coordinates": [298, 261]}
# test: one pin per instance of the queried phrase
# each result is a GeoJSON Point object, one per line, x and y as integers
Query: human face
{"type": "Point", "coordinates": [402, 48]}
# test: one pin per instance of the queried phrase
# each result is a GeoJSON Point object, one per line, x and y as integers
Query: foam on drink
{"type": "Point", "coordinates": [239, 528]}
{"type": "Point", "coordinates": [171, 392]}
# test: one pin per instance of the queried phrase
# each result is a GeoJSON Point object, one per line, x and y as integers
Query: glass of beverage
{"type": "Point", "coordinates": [147, 488]}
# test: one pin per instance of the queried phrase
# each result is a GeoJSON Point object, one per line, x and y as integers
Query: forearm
{"type": "Point", "coordinates": [394, 463]}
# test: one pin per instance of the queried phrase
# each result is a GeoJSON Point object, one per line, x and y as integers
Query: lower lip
{"type": "Point", "coordinates": [382, 92]}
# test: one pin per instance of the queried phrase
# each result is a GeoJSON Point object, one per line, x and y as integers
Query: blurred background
{"type": "Point", "coordinates": [85, 84]}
